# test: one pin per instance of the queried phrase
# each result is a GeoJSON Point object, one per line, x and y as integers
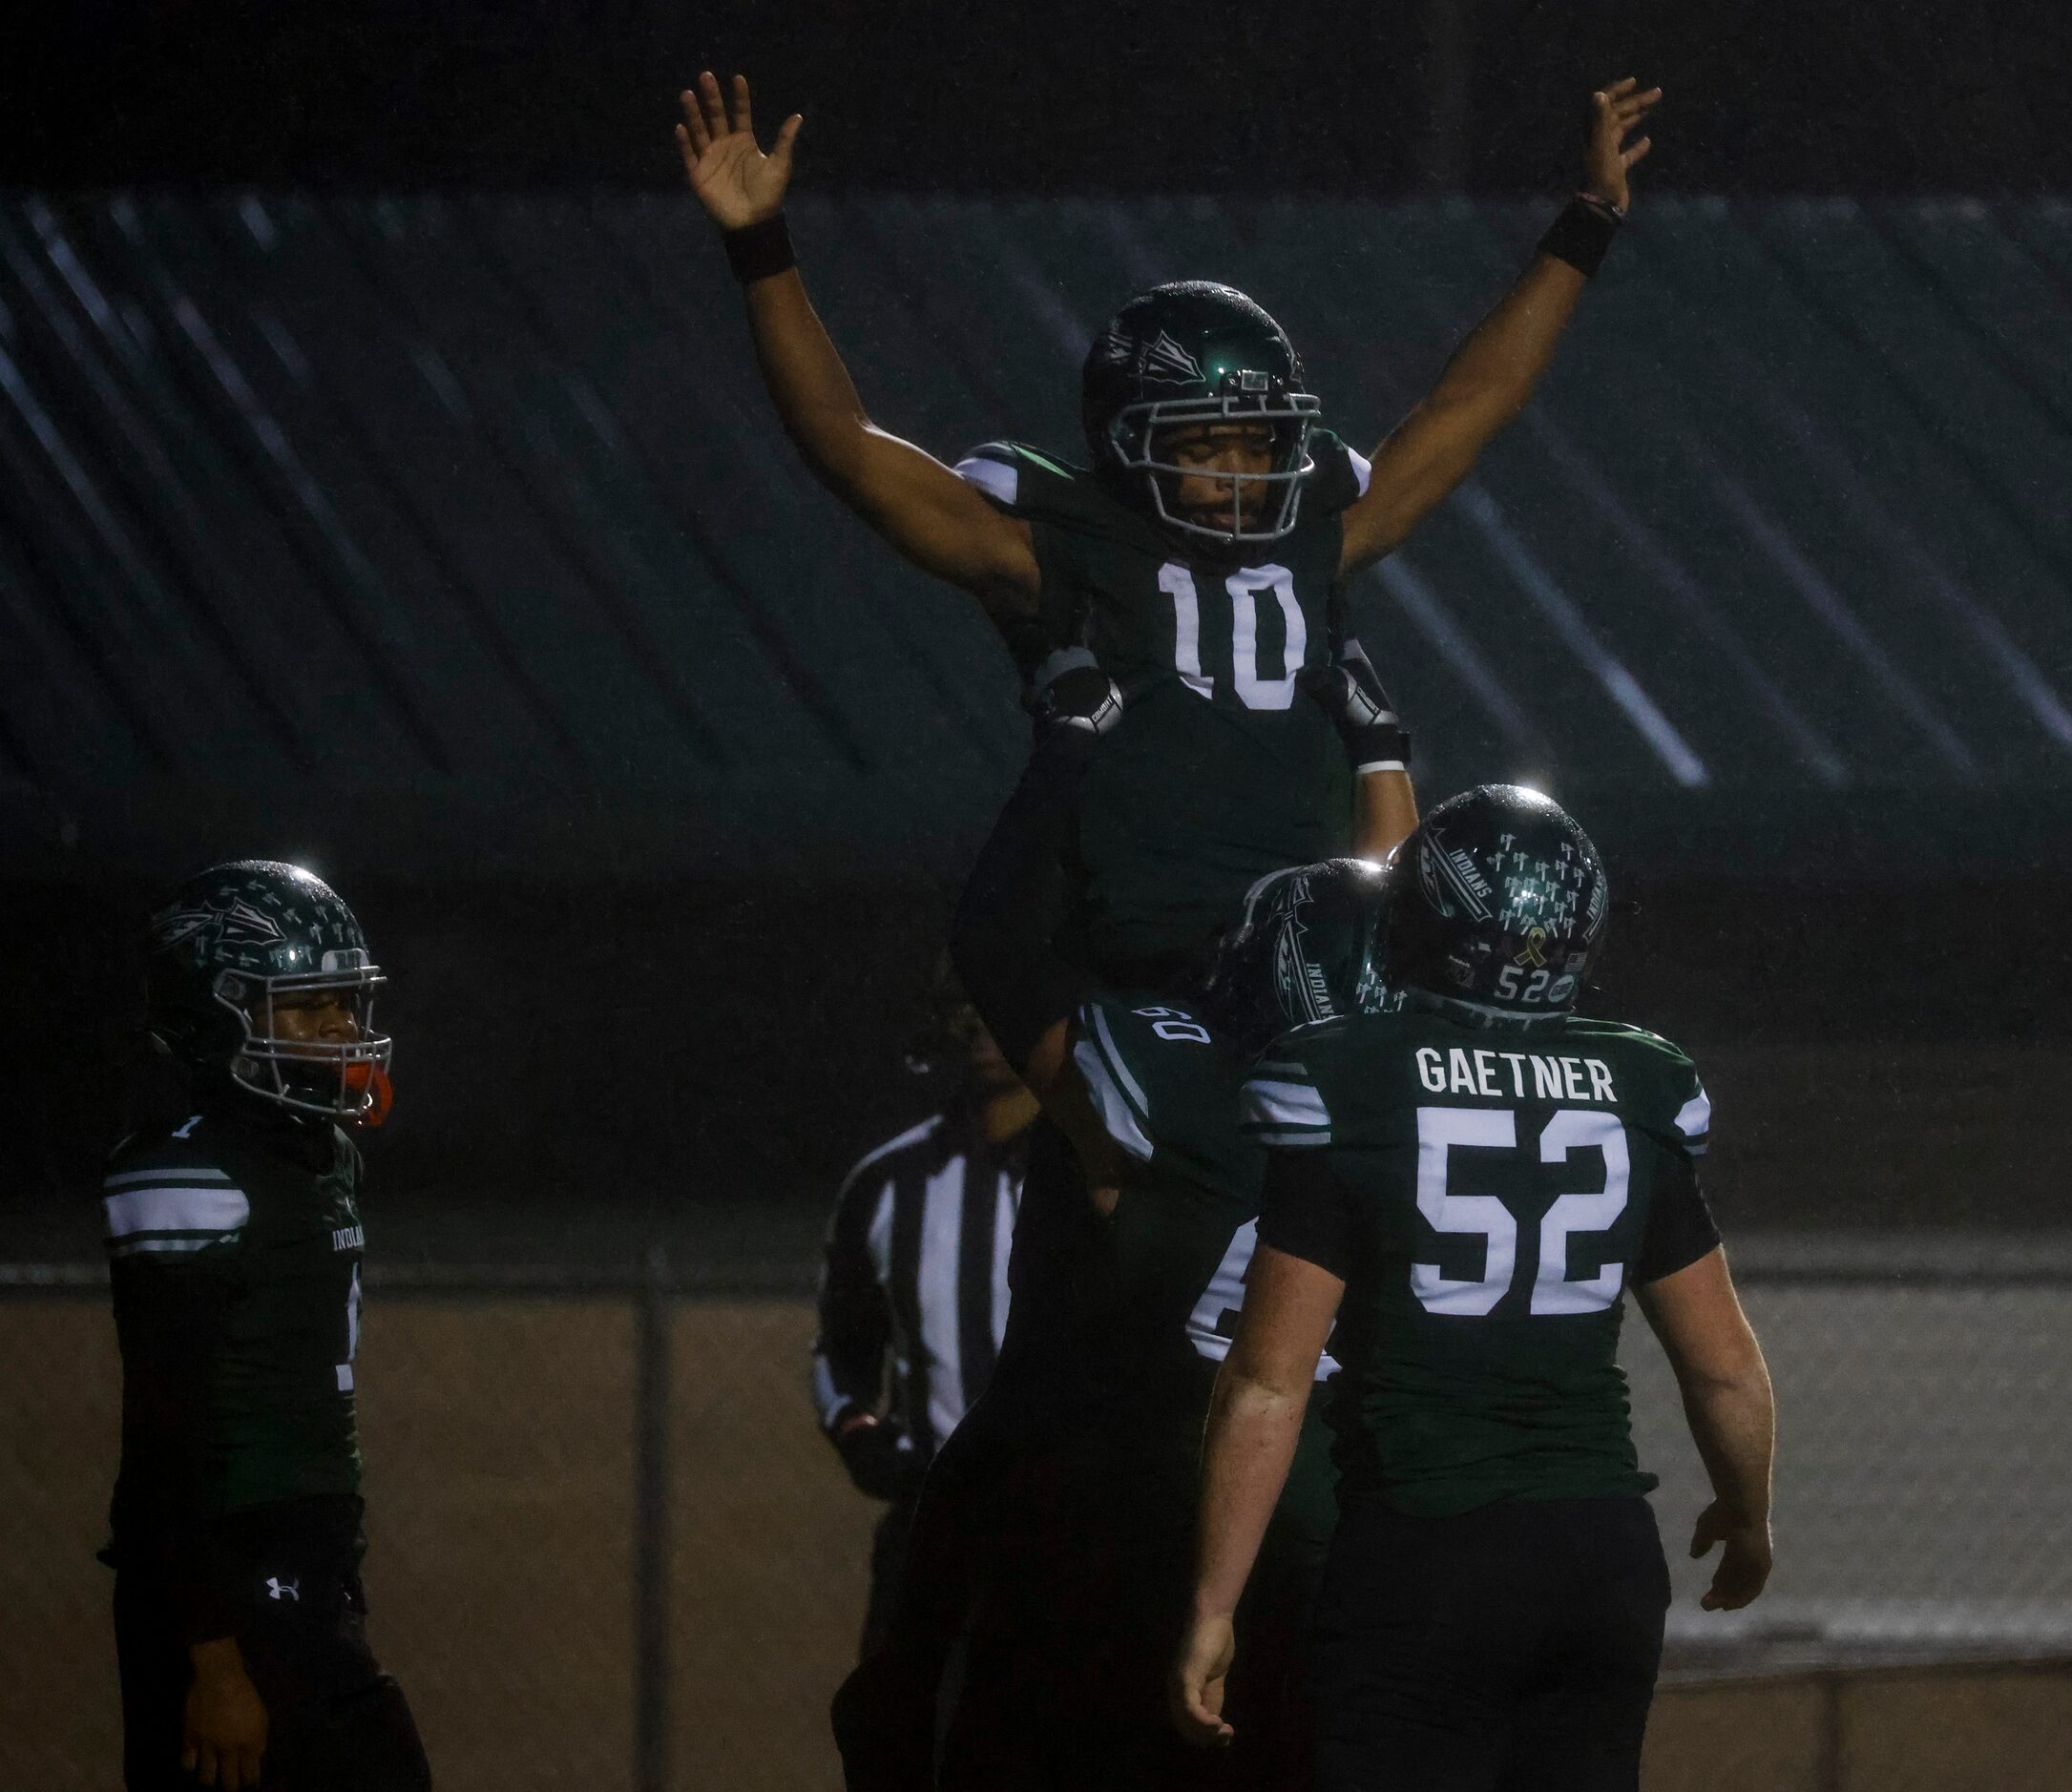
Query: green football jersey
{"type": "Point", "coordinates": [1221, 769]}
{"type": "Point", "coordinates": [1172, 1279]}
{"type": "Point", "coordinates": [234, 1247]}
{"type": "Point", "coordinates": [1487, 1196]}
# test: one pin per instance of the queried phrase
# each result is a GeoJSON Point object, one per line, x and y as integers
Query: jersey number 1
{"type": "Point", "coordinates": [1495, 1129]}
{"type": "Point", "coordinates": [1243, 585]}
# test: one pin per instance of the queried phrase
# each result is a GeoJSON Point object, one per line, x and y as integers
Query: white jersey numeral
{"type": "Point", "coordinates": [1213, 1323]}
{"type": "Point", "coordinates": [1254, 689]}
{"type": "Point", "coordinates": [352, 1333]}
{"type": "Point", "coordinates": [1438, 1131]}
{"type": "Point", "coordinates": [1178, 583]}
{"type": "Point", "coordinates": [1579, 1129]}
{"type": "Point", "coordinates": [1495, 1129]}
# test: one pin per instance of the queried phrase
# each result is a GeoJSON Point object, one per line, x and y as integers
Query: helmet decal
{"type": "Point", "coordinates": [1506, 903]}
{"type": "Point", "coordinates": [1163, 359]}
{"type": "Point", "coordinates": [1303, 952]}
{"type": "Point", "coordinates": [234, 947]}
{"type": "Point", "coordinates": [238, 925]}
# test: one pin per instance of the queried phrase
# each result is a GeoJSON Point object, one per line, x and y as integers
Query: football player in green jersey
{"type": "Point", "coordinates": [1199, 562]}
{"type": "Point", "coordinates": [1467, 1186]}
{"type": "Point", "coordinates": [1074, 1477]}
{"type": "Point", "coordinates": [235, 1239]}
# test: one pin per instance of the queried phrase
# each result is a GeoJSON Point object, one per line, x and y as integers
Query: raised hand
{"type": "Point", "coordinates": [736, 183]}
{"type": "Point", "coordinates": [1615, 112]}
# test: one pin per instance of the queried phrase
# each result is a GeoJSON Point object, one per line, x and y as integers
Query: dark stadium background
{"type": "Point", "coordinates": [663, 997]}
{"type": "Point", "coordinates": [720, 1017]}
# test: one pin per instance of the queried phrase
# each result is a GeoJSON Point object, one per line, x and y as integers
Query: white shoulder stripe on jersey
{"type": "Point", "coordinates": [1121, 1070]}
{"type": "Point", "coordinates": [1313, 1135]}
{"type": "Point", "coordinates": [172, 1173]}
{"type": "Point", "coordinates": [190, 1208]}
{"type": "Point", "coordinates": [1278, 1104]}
{"type": "Point", "coordinates": [166, 1243]}
{"type": "Point", "coordinates": [1116, 1112]}
{"type": "Point", "coordinates": [1362, 470]}
{"type": "Point", "coordinates": [998, 481]}
{"type": "Point", "coordinates": [1694, 1119]}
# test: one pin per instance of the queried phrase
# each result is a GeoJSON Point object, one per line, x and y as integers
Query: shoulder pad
{"type": "Point", "coordinates": [1341, 476]}
{"type": "Point", "coordinates": [1124, 1053]}
{"type": "Point", "coordinates": [1025, 481]}
{"type": "Point", "coordinates": [167, 1195]}
{"type": "Point", "coordinates": [1690, 1108]}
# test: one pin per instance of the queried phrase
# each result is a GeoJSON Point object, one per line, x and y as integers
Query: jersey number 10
{"type": "Point", "coordinates": [1495, 1129]}
{"type": "Point", "coordinates": [1243, 585]}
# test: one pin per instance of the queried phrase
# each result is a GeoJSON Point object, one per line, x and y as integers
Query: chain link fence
{"type": "Point", "coordinates": [608, 1547]}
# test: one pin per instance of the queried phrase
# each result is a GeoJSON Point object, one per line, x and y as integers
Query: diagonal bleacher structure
{"type": "Point", "coordinates": [460, 522]}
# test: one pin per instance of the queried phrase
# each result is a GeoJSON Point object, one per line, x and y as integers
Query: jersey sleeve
{"type": "Point", "coordinates": [1283, 1107]}
{"type": "Point", "coordinates": [174, 1219]}
{"type": "Point", "coordinates": [171, 1205]}
{"type": "Point", "coordinates": [1680, 1224]}
{"type": "Point", "coordinates": [1342, 473]}
{"type": "Point", "coordinates": [1305, 1211]}
{"type": "Point", "coordinates": [1026, 483]}
{"type": "Point", "coordinates": [1003, 940]}
{"type": "Point", "coordinates": [1118, 1092]}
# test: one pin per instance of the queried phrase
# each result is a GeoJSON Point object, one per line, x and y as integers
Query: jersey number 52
{"type": "Point", "coordinates": [1495, 1129]}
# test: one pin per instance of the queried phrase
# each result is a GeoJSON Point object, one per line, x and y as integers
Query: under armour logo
{"type": "Point", "coordinates": [284, 1589]}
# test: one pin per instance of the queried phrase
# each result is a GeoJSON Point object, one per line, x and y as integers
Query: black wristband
{"type": "Point", "coordinates": [757, 251]}
{"type": "Point", "coordinates": [1582, 233]}
{"type": "Point", "coordinates": [1384, 747]}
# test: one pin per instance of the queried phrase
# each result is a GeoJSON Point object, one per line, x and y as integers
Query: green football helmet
{"type": "Point", "coordinates": [228, 945]}
{"type": "Point", "coordinates": [1495, 907]}
{"type": "Point", "coordinates": [1182, 355]}
{"type": "Point", "coordinates": [1304, 950]}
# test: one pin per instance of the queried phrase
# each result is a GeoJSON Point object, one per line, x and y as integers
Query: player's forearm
{"type": "Point", "coordinates": [1734, 1422]}
{"type": "Point", "coordinates": [1253, 1428]}
{"type": "Point", "coordinates": [1386, 813]}
{"type": "Point", "coordinates": [816, 400]}
{"type": "Point", "coordinates": [1494, 371]}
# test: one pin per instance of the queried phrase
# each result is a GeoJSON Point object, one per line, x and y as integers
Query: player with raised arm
{"type": "Point", "coordinates": [1090, 1567]}
{"type": "Point", "coordinates": [1467, 1187]}
{"type": "Point", "coordinates": [235, 1241]}
{"type": "Point", "coordinates": [1184, 595]}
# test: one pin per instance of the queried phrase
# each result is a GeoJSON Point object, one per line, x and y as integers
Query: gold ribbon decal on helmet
{"type": "Point", "coordinates": [1535, 949]}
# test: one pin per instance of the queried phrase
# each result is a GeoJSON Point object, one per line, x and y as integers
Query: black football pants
{"type": "Point", "coordinates": [335, 1722]}
{"type": "Point", "coordinates": [1509, 1649]}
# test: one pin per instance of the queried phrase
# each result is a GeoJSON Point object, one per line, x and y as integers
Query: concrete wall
{"type": "Point", "coordinates": [500, 1435]}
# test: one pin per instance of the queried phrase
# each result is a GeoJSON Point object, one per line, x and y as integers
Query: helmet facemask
{"type": "Point", "coordinates": [1264, 506]}
{"type": "Point", "coordinates": [345, 1079]}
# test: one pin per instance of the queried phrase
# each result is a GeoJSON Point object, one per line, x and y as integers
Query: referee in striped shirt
{"type": "Point", "coordinates": [913, 1292]}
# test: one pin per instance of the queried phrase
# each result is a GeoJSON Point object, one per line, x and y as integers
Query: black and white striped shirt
{"type": "Point", "coordinates": [917, 1276]}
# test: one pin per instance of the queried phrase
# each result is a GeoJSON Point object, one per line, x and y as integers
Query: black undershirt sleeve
{"type": "Point", "coordinates": [1680, 1224]}
{"type": "Point", "coordinates": [1304, 1210]}
{"type": "Point", "coordinates": [1004, 939]}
